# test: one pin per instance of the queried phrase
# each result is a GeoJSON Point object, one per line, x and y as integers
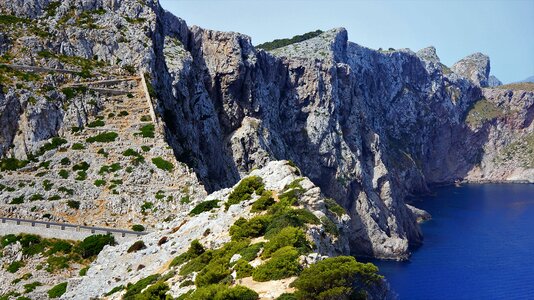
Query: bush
{"type": "Point", "coordinates": [12, 164]}
{"type": "Point", "coordinates": [252, 228]}
{"type": "Point", "coordinates": [30, 287]}
{"type": "Point", "coordinates": [146, 131]}
{"type": "Point", "coordinates": [104, 137]}
{"type": "Point", "coordinates": [283, 263]}
{"type": "Point", "coordinates": [133, 289]}
{"type": "Point", "coordinates": [139, 245]}
{"type": "Point", "coordinates": [279, 43]}
{"type": "Point", "coordinates": [83, 271]}
{"type": "Point", "coordinates": [145, 118]}
{"type": "Point", "coordinates": [334, 278]}
{"type": "Point", "coordinates": [53, 144]}
{"type": "Point", "coordinates": [36, 197]}
{"type": "Point", "coordinates": [58, 290]}
{"type": "Point", "coordinates": [264, 202]}
{"type": "Point", "coordinates": [204, 206]}
{"type": "Point", "coordinates": [223, 292]}
{"type": "Point", "coordinates": [114, 290]}
{"type": "Point", "coordinates": [99, 182]}
{"type": "Point", "coordinates": [332, 205]}
{"type": "Point", "coordinates": [195, 249]}
{"type": "Point", "coordinates": [329, 226]}
{"type": "Point", "coordinates": [83, 166]}
{"type": "Point", "coordinates": [289, 236]}
{"type": "Point", "coordinates": [78, 146]}
{"type": "Point", "coordinates": [63, 173]}
{"type": "Point", "coordinates": [15, 266]}
{"type": "Point", "coordinates": [287, 296]}
{"type": "Point", "coordinates": [138, 227]}
{"type": "Point", "coordinates": [216, 271]}
{"type": "Point", "coordinates": [65, 161]}
{"type": "Point", "coordinates": [291, 217]}
{"type": "Point", "coordinates": [157, 291]}
{"type": "Point", "coordinates": [81, 175]}
{"type": "Point", "coordinates": [243, 269]}
{"type": "Point", "coordinates": [17, 200]}
{"type": "Point", "coordinates": [244, 190]}
{"type": "Point", "coordinates": [251, 252]}
{"type": "Point", "coordinates": [147, 205]}
{"type": "Point", "coordinates": [73, 204]}
{"type": "Point", "coordinates": [92, 245]}
{"type": "Point", "coordinates": [96, 123]}
{"type": "Point", "coordinates": [162, 164]}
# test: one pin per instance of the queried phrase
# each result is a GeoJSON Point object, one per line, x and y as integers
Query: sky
{"type": "Point", "coordinates": [502, 29]}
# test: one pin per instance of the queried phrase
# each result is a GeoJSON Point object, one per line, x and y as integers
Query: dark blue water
{"type": "Point", "coordinates": [479, 245]}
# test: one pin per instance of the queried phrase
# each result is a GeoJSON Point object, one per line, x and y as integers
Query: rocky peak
{"type": "Point", "coordinates": [475, 67]}
{"type": "Point", "coordinates": [493, 81]}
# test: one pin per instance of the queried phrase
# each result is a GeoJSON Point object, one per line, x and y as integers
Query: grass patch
{"type": "Point", "coordinates": [163, 164]}
{"type": "Point", "coordinates": [481, 112]}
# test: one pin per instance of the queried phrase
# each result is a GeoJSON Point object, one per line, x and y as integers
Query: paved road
{"type": "Point", "coordinates": [64, 226]}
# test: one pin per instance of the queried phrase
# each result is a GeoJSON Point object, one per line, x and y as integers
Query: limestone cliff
{"type": "Point", "coordinates": [367, 127]}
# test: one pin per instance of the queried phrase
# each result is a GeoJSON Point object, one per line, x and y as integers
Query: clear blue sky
{"type": "Point", "coordinates": [502, 29]}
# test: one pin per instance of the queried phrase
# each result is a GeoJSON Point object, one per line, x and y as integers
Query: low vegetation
{"type": "Point", "coordinates": [105, 137]}
{"type": "Point", "coordinates": [163, 164]}
{"type": "Point", "coordinates": [245, 189]}
{"type": "Point", "coordinates": [204, 206]}
{"type": "Point", "coordinates": [481, 112]}
{"type": "Point", "coordinates": [279, 43]}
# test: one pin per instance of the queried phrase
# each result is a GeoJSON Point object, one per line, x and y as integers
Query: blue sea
{"type": "Point", "coordinates": [478, 245]}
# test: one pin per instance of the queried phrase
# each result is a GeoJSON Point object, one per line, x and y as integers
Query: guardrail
{"type": "Point", "coordinates": [77, 228]}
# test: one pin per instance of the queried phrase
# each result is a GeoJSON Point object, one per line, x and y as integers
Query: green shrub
{"type": "Point", "coordinates": [146, 118]}
{"type": "Point", "coordinates": [147, 205]}
{"type": "Point", "coordinates": [214, 272]}
{"type": "Point", "coordinates": [30, 287]}
{"type": "Point", "coordinates": [55, 263]}
{"type": "Point", "coordinates": [10, 19]}
{"type": "Point", "coordinates": [83, 271]}
{"type": "Point", "coordinates": [243, 269]}
{"type": "Point", "coordinates": [59, 246]}
{"type": "Point", "coordinates": [332, 205]}
{"type": "Point", "coordinates": [204, 206]}
{"type": "Point", "coordinates": [146, 131]}
{"type": "Point", "coordinates": [65, 190]}
{"type": "Point", "coordinates": [133, 289]}
{"type": "Point", "coordinates": [123, 113]}
{"type": "Point", "coordinates": [196, 264]}
{"type": "Point", "coordinates": [58, 290]}
{"type": "Point", "coordinates": [73, 204]}
{"type": "Point", "coordinates": [36, 197]}
{"type": "Point", "coordinates": [287, 296]}
{"type": "Point", "coordinates": [105, 137]}
{"type": "Point", "coordinates": [96, 123]}
{"type": "Point", "coordinates": [138, 227]}
{"type": "Point", "coordinates": [223, 292]}
{"type": "Point", "coordinates": [92, 245]}
{"type": "Point", "coordinates": [162, 164]}
{"type": "Point", "coordinates": [53, 144]}
{"type": "Point", "coordinates": [17, 200]}
{"type": "Point", "coordinates": [54, 197]}
{"type": "Point", "coordinates": [157, 291]}
{"type": "Point", "coordinates": [63, 173]}
{"type": "Point", "coordinates": [78, 146]}
{"type": "Point", "coordinates": [251, 252]}
{"type": "Point", "coordinates": [244, 190]}
{"type": "Point", "coordinates": [329, 226]}
{"type": "Point", "coordinates": [65, 161]}
{"type": "Point", "coordinates": [81, 175]}
{"type": "Point", "coordinates": [290, 217]}
{"type": "Point", "coordinates": [99, 182]}
{"type": "Point", "coordinates": [145, 148]}
{"type": "Point", "coordinates": [288, 236]}
{"type": "Point", "coordinates": [109, 168]}
{"type": "Point", "coordinates": [139, 245]}
{"type": "Point", "coordinates": [283, 263]}
{"type": "Point", "coordinates": [12, 164]}
{"type": "Point", "coordinates": [47, 185]}
{"type": "Point", "coordinates": [252, 228]}
{"type": "Point", "coordinates": [195, 249]}
{"type": "Point", "coordinates": [265, 201]}
{"type": "Point", "coordinates": [279, 43]}
{"type": "Point", "coordinates": [15, 266]}
{"type": "Point", "coordinates": [334, 278]}
{"type": "Point", "coordinates": [114, 290]}
{"type": "Point", "coordinates": [83, 166]}
{"type": "Point", "coordinates": [137, 157]}
{"type": "Point", "coordinates": [103, 152]}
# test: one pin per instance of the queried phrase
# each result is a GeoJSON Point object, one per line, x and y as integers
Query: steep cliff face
{"type": "Point", "coordinates": [368, 127]}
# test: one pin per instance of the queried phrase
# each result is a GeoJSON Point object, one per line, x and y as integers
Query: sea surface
{"type": "Point", "coordinates": [478, 245]}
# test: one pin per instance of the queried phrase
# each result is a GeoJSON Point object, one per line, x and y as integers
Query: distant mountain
{"type": "Point", "coordinates": [529, 79]}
